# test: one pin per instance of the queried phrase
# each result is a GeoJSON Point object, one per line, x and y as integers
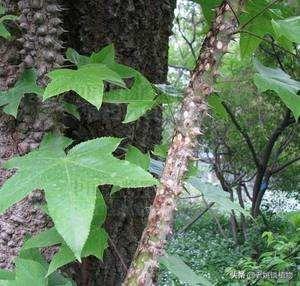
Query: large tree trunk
{"type": "Point", "coordinates": [140, 30]}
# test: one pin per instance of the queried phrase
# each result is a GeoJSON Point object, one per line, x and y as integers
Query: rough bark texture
{"type": "Point", "coordinates": [140, 31]}
{"type": "Point", "coordinates": [193, 109]}
{"type": "Point", "coordinates": [21, 135]}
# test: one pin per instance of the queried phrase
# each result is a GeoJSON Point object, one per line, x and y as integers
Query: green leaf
{"type": "Point", "coordinates": [63, 257]}
{"type": "Point", "coordinates": [3, 31]}
{"type": "Point", "coordinates": [31, 269]}
{"type": "Point", "coordinates": [208, 8]}
{"type": "Point", "coordinates": [289, 28]}
{"type": "Point", "coordinates": [7, 275]}
{"type": "Point", "coordinates": [30, 272]}
{"type": "Point", "coordinates": [140, 98]}
{"type": "Point", "coordinates": [135, 156]}
{"type": "Point", "coordinates": [95, 246]}
{"type": "Point", "coordinates": [280, 82]}
{"type": "Point", "coordinates": [215, 102]}
{"type": "Point", "coordinates": [183, 272]}
{"type": "Point", "coordinates": [105, 56]}
{"type": "Point", "coordinates": [46, 238]}
{"type": "Point", "coordinates": [87, 82]}
{"type": "Point", "coordinates": [11, 99]}
{"type": "Point", "coordinates": [70, 182]}
{"type": "Point", "coordinates": [71, 109]}
{"type": "Point", "coordinates": [76, 58]}
{"type": "Point", "coordinates": [161, 150]}
{"type": "Point", "coordinates": [213, 193]}
{"type": "Point", "coordinates": [260, 26]}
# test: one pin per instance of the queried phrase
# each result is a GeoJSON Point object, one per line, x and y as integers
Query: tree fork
{"type": "Point", "coordinates": [193, 110]}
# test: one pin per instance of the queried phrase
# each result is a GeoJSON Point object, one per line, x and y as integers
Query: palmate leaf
{"type": "Point", "coordinates": [139, 98]}
{"type": "Point", "coordinates": [31, 269]}
{"type": "Point", "coordinates": [87, 81]}
{"type": "Point", "coordinates": [11, 99]}
{"type": "Point", "coordinates": [77, 59]}
{"type": "Point", "coordinates": [260, 26]}
{"type": "Point", "coordinates": [70, 182]}
{"type": "Point", "coordinates": [280, 82]}
{"type": "Point", "coordinates": [95, 244]}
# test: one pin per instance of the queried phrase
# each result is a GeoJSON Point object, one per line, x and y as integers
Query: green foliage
{"type": "Point", "coordinates": [260, 26]}
{"type": "Point", "coordinates": [208, 8]}
{"type": "Point", "coordinates": [139, 97]}
{"type": "Point", "coordinates": [4, 33]}
{"type": "Point", "coordinates": [280, 254]}
{"type": "Point", "coordinates": [70, 182]}
{"type": "Point", "coordinates": [31, 269]}
{"type": "Point", "coordinates": [215, 102]}
{"type": "Point", "coordinates": [77, 59]}
{"type": "Point", "coordinates": [281, 83]}
{"type": "Point", "coordinates": [201, 247]}
{"type": "Point", "coordinates": [289, 28]}
{"type": "Point", "coordinates": [87, 81]}
{"type": "Point", "coordinates": [95, 244]}
{"type": "Point", "coordinates": [213, 193]}
{"type": "Point", "coordinates": [184, 273]}
{"type": "Point", "coordinates": [135, 156]}
{"type": "Point", "coordinates": [11, 98]}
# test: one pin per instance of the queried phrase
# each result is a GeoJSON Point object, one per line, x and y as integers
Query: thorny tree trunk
{"type": "Point", "coordinates": [140, 32]}
{"type": "Point", "coordinates": [184, 143]}
{"type": "Point", "coordinates": [20, 135]}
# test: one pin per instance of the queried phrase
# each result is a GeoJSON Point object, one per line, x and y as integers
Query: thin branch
{"type": "Point", "coordinates": [189, 43]}
{"type": "Point", "coordinates": [280, 168]}
{"type": "Point", "coordinates": [258, 14]}
{"type": "Point", "coordinates": [196, 217]}
{"type": "Point", "coordinates": [234, 13]}
{"type": "Point", "coordinates": [266, 40]}
{"type": "Point", "coordinates": [286, 121]}
{"type": "Point", "coordinates": [244, 134]}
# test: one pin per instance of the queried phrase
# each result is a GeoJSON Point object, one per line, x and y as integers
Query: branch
{"type": "Point", "coordinates": [196, 217]}
{"type": "Point", "coordinates": [189, 43]}
{"type": "Point", "coordinates": [267, 40]}
{"type": "Point", "coordinates": [244, 134]}
{"type": "Point", "coordinates": [184, 144]}
{"type": "Point", "coordinates": [258, 14]}
{"type": "Point", "coordinates": [280, 168]}
{"type": "Point", "coordinates": [286, 121]}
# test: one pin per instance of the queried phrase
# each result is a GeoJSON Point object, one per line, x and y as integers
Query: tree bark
{"type": "Point", "coordinates": [140, 32]}
{"type": "Point", "coordinates": [182, 149]}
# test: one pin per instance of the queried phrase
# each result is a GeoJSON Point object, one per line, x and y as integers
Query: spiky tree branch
{"type": "Point", "coordinates": [183, 146]}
